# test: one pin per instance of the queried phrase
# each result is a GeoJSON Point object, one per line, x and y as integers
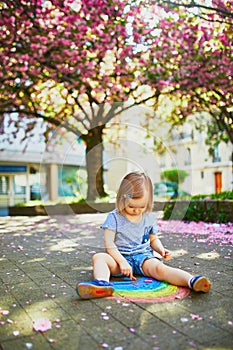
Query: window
{"type": "Point", "coordinates": [35, 182]}
{"type": "Point", "coordinates": [20, 184]}
{"type": "Point", "coordinates": [216, 156]}
{"type": "Point", "coordinates": [188, 158]}
{"type": "Point", "coordinates": [4, 184]}
{"type": "Point", "coordinates": [71, 181]}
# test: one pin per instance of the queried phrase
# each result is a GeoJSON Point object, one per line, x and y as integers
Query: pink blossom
{"type": "Point", "coordinates": [42, 325]}
{"type": "Point", "coordinates": [4, 312]}
{"type": "Point", "coordinates": [35, 46]}
{"type": "Point", "coordinates": [212, 232]}
{"type": "Point", "coordinates": [196, 317]}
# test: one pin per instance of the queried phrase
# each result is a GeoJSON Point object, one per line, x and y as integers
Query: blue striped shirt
{"type": "Point", "coordinates": [131, 238]}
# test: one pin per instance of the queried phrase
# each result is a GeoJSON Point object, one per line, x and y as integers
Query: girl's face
{"type": "Point", "coordinates": [135, 207]}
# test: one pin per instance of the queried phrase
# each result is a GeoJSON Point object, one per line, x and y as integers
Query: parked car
{"type": "Point", "coordinates": [168, 189]}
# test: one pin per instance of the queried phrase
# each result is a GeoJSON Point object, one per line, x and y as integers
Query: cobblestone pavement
{"type": "Point", "coordinates": [43, 257]}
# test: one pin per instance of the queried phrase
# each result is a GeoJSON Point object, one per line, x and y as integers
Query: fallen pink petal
{"type": "Point", "coordinates": [42, 325]}
{"type": "Point", "coordinates": [222, 233]}
{"type": "Point", "coordinates": [4, 312]}
{"type": "Point", "coordinates": [196, 317]}
{"type": "Point", "coordinates": [192, 344]}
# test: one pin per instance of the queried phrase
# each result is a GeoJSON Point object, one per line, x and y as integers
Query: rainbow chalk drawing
{"type": "Point", "coordinates": [147, 290]}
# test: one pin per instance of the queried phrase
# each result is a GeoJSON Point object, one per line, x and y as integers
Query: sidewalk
{"type": "Point", "coordinates": [42, 258]}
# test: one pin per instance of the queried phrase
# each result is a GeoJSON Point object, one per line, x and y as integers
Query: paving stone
{"type": "Point", "coordinates": [38, 342]}
{"type": "Point", "coordinates": [41, 260]}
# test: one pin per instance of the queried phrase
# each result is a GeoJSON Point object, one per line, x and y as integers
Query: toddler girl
{"type": "Point", "coordinates": [132, 245]}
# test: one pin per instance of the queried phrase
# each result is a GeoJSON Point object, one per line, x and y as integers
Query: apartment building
{"type": "Point", "coordinates": [207, 173]}
{"type": "Point", "coordinates": [134, 147]}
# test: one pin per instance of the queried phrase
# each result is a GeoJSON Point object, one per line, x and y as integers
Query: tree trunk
{"type": "Point", "coordinates": [94, 161]}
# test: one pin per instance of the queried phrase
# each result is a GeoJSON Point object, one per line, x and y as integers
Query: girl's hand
{"type": "Point", "coordinates": [126, 270]}
{"type": "Point", "coordinates": [167, 254]}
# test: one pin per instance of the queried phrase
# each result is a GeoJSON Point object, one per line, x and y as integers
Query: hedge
{"type": "Point", "coordinates": [219, 211]}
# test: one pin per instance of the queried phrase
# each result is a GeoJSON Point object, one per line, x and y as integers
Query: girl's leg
{"type": "Point", "coordinates": [156, 269]}
{"type": "Point", "coordinates": [103, 266]}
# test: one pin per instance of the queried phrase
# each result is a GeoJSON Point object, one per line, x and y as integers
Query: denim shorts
{"type": "Point", "coordinates": [136, 261]}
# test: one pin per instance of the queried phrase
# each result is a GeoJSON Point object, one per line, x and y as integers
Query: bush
{"type": "Point", "coordinates": [223, 195]}
{"type": "Point", "coordinates": [174, 175]}
{"type": "Point", "coordinates": [213, 208]}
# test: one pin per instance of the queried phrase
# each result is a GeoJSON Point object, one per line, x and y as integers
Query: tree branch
{"type": "Point", "coordinates": [218, 10]}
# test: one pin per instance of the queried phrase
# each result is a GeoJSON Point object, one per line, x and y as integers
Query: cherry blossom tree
{"type": "Point", "coordinates": [198, 55]}
{"type": "Point", "coordinates": [76, 64]}
{"type": "Point", "coordinates": [73, 63]}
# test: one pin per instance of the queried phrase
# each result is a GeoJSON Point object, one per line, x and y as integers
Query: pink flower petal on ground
{"type": "Point", "coordinates": [222, 233]}
{"type": "Point", "coordinates": [42, 325]}
{"type": "Point", "coordinates": [196, 317]}
{"type": "Point", "coordinates": [4, 312]}
{"type": "Point", "coordinates": [192, 344]}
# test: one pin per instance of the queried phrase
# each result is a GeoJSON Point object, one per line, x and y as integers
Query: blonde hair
{"type": "Point", "coordinates": [134, 185]}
